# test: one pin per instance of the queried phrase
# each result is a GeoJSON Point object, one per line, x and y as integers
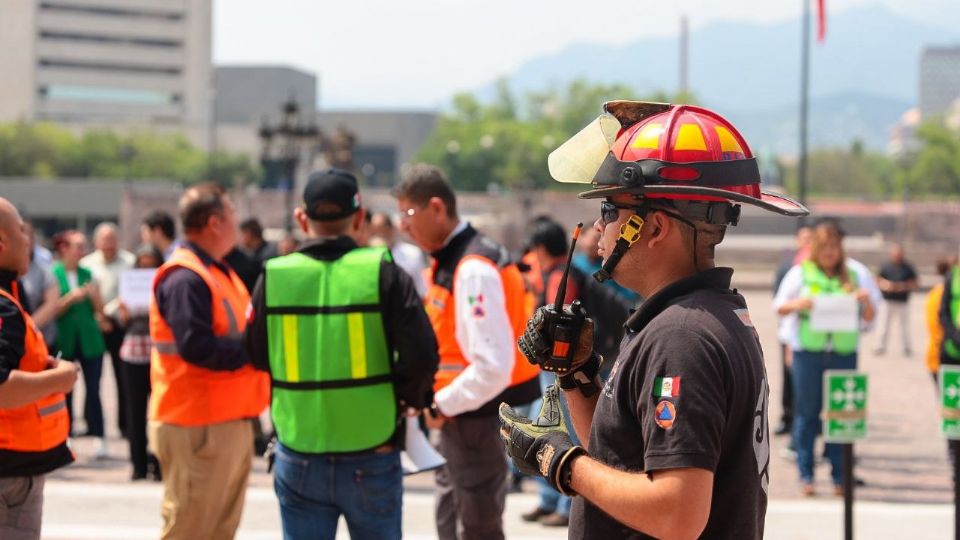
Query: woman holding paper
{"type": "Point", "coordinates": [828, 306]}
{"type": "Point", "coordinates": [135, 363]}
{"type": "Point", "coordinates": [80, 320]}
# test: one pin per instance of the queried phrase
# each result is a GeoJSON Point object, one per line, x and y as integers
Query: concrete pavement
{"type": "Point", "coordinates": [903, 462]}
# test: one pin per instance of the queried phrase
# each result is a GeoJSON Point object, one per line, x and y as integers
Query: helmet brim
{"type": "Point", "coordinates": [771, 202]}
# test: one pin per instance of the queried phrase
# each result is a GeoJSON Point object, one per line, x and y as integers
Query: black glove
{"type": "Point", "coordinates": [541, 447]}
{"type": "Point", "coordinates": [543, 330]}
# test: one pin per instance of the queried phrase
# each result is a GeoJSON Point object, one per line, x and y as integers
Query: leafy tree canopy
{"type": "Point", "coordinates": [46, 150]}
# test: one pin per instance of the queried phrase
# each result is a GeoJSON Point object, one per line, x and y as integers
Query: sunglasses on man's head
{"type": "Point", "coordinates": [610, 211]}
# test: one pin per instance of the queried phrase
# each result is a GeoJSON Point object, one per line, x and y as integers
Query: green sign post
{"type": "Point", "coordinates": [845, 421]}
{"type": "Point", "coordinates": [950, 427]}
{"type": "Point", "coordinates": [844, 405]}
{"type": "Point", "coordinates": [950, 401]}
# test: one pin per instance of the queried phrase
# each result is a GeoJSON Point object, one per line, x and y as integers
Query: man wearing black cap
{"type": "Point", "coordinates": [344, 336]}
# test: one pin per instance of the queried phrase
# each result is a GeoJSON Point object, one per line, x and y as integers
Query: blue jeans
{"type": "Point", "coordinates": [315, 490]}
{"type": "Point", "coordinates": [807, 373]}
{"type": "Point", "coordinates": [91, 370]}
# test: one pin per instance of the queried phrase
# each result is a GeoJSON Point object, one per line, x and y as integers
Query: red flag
{"type": "Point", "coordinates": [821, 20]}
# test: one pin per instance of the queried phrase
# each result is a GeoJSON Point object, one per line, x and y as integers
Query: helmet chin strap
{"type": "Point", "coordinates": [629, 235]}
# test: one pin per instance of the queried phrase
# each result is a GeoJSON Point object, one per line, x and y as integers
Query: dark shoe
{"type": "Point", "coordinates": [555, 519]}
{"type": "Point", "coordinates": [535, 515]}
{"type": "Point", "coordinates": [783, 428]}
{"type": "Point", "coordinates": [153, 468]}
{"type": "Point", "coordinates": [138, 475]}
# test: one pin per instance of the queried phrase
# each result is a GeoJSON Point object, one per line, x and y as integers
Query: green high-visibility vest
{"type": "Point", "coordinates": [953, 349]}
{"type": "Point", "coordinates": [329, 359]}
{"type": "Point", "coordinates": [816, 283]}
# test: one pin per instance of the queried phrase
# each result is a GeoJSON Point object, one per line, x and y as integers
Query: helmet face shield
{"type": "Point", "coordinates": [578, 160]}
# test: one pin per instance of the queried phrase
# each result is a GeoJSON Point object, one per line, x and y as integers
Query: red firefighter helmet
{"type": "Point", "coordinates": [658, 150]}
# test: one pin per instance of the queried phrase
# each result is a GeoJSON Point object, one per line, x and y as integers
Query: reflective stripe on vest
{"type": "Point", "coordinates": [329, 359]}
{"type": "Point", "coordinates": [233, 331]}
{"type": "Point", "coordinates": [189, 395]}
{"type": "Point", "coordinates": [439, 304]}
{"type": "Point", "coordinates": [816, 283]}
{"type": "Point", "coordinates": [43, 424]}
{"type": "Point", "coordinates": [953, 349]}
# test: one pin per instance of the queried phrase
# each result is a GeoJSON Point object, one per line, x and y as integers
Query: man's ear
{"type": "Point", "coordinates": [659, 226]}
{"type": "Point", "coordinates": [437, 204]}
{"type": "Point", "coordinates": [300, 216]}
{"type": "Point", "coordinates": [358, 217]}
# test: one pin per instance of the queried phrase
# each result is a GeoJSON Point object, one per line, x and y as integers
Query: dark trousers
{"type": "Point", "coordinates": [136, 380]}
{"type": "Point", "coordinates": [113, 340]}
{"type": "Point", "coordinates": [91, 369]}
{"type": "Point", "coordinates": [786, 394]}
{"type": "Point", "coordinates": [472, 486]}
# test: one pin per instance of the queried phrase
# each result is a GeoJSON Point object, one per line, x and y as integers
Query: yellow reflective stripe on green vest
{"type": "Point", "coordinates": [358, 346]}
{"type": "Point", "coordinates": [291, 348]}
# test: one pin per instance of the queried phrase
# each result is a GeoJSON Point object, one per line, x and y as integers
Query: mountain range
{"type": "Point", "coordinates": [863, 77]}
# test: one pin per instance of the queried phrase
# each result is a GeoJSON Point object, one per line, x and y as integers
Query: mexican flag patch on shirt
{"type": "Point", "coordinates": [666, 387]}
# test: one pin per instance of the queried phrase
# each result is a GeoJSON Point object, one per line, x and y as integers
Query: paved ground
{"type": "Point", "coordinates": [903, 463]}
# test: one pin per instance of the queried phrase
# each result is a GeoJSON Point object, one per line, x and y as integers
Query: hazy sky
{"type": "Point", "coordinates": [417, 53]}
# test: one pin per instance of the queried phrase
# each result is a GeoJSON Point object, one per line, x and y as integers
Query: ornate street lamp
{"type": "Point", "coordinates": [284, 145]}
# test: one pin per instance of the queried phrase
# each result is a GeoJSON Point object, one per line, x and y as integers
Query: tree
{"type": "Point", "coordinates": [935, 170]}
{"type": "Point", "coordinates": [506, 142]}
{"type": "Point", "coordinates": [46, 150]}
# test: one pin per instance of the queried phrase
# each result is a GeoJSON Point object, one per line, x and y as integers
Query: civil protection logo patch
{"type": "Point", "coordinates": [665, 415]}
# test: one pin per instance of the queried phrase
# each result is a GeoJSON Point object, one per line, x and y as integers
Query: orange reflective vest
{"type": "Point", "coordinates": [188, 395]}
{"type": "Point", "coordinates": [43, 424]}
{"type": "Point", "coordinates": [442, 312]}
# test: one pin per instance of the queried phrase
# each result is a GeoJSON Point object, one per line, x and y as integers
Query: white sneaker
{"type": "Point", "coordinates": [102, 451]}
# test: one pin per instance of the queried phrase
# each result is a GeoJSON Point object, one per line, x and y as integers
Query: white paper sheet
{"type": "Point", "coordinates": [834, 313]}
{"type": "Point", "coordinates": [419, 455]}
{"type": "Point", "coordinates": [135, 287]}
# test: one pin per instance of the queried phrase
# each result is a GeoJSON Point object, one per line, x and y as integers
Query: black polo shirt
{"type": "Point", "coordinates": [688, 389]}
{"type": "Point", "coordinates": [898, 273]}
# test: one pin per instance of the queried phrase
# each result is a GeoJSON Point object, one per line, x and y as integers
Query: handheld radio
{"type": "Point", "coordinates": [564, 325]}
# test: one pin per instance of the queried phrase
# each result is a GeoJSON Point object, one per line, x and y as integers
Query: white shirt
{"type": "Point", "coordinates": [484, 334]}
{"type": "Point", "coordinates": [107, 276]}
{"type": "Point", "coordinates": [788, 331]}
{"type": "Point", "coordinates": [42, 256]}
{"type": "Point", "coordinates": [410, 258]}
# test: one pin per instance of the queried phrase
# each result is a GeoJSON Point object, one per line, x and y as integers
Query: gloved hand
{"type": "Point", "coordinates": [541, 447]}
{"type": "Point", "coordinates": [537, 341]}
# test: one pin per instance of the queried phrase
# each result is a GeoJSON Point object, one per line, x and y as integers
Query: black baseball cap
{"type": "Point", "coordinates": [334, 188]}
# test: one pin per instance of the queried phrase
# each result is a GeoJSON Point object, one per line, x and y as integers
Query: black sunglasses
{"type": "Point", "coordinates": [610, 211]}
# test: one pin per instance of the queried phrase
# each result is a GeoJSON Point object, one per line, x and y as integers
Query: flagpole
{"type": "Point", "coordinates": [804, 94]}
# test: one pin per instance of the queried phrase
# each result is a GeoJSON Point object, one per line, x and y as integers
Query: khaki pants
{"type": "Point", "coordinates": [205, 471]}
{"type": "Point", "coordinates": [21, 507]}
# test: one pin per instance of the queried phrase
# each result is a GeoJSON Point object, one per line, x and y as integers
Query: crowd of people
{"type": "Point", "coordinates": [344, 329]}
{"type": "Point", "coordinates": [820, 267]}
